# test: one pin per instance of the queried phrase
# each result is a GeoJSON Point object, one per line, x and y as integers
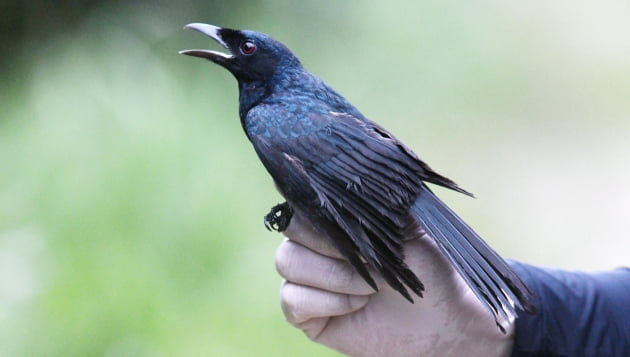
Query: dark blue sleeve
{"type": "Point", "coordinates": [579, 314]}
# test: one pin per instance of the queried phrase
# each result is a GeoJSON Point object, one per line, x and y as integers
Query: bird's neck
{"type": "Point", "coordinates": [250, 94]}
{"type": "Point", "coordinates": [292, 83]}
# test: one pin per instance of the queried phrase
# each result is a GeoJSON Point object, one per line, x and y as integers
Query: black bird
{"type": "Point", "coordinates": [361, 188]}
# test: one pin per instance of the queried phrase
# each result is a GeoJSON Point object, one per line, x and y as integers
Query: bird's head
{"type": "Point", "coordinates": [252, 57]}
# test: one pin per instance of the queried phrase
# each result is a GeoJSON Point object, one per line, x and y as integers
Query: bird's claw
{"type": "Point", "coordinates": [279, 217]}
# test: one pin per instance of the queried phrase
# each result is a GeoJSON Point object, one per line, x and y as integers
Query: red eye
{"type": "Point", "coordinates": [248, 48]}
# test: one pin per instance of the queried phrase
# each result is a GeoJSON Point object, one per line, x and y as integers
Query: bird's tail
{"type": "Point", "coordinates": [492, 280]}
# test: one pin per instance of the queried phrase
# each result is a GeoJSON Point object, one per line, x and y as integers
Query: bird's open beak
{"type": "Point", "coordinates": [215, 33]}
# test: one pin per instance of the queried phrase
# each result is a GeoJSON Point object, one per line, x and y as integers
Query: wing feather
{"type": "Point", "coordinates": [364, 184]}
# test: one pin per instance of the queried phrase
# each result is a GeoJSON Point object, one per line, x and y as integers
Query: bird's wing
{"type": "Point", "coordinates": [354, 179]}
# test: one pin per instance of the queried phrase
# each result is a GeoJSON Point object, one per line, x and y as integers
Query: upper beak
{"type": "Point", "coordinates": [215, 33]}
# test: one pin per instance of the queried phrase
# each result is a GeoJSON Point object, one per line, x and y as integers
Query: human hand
{"type": "Point", "coordinates": [324, 297]}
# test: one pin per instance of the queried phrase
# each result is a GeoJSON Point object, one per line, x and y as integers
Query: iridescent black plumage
{"type": "Point", "coordinates": [360, 187]}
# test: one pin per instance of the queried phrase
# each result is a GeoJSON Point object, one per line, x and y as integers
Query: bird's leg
{"type": "Point", "coordinates": [279, 217]}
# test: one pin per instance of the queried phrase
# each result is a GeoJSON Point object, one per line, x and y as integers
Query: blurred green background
{"type": "Point", "coordinates": [131, 203]}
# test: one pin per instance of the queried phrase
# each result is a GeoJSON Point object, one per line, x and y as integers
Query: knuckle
{"type": "Point", "coordinates": [289, 302]}
{"type": "Point", "coordinates": [284, 257]}
{"type": "Point", "coordinates": [340, 275]}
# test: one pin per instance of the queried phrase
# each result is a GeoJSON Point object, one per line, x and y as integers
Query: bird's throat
{"type": "Point", "coordinates": [250, 94]}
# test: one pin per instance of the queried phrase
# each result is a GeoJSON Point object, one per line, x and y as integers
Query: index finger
{"type": "Point", "coordinates": [300, 230]}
